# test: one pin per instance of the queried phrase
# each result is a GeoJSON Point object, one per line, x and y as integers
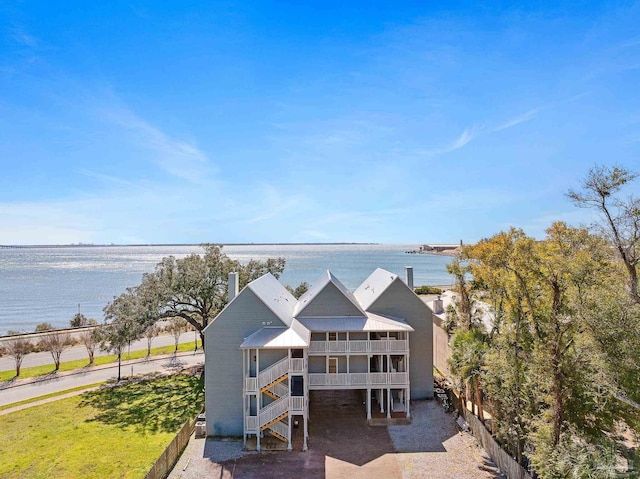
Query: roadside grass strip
{"type": "Point", "coordinates": [114, 431]}
{"type": "Point", "coordinates": [49, 369]}
{"type": "Point", "coordinates": [50, 395]}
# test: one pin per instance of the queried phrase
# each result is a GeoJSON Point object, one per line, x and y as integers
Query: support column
{"type": "Point", "coordinates": [304, 443]}
{"type": "Point", "coordinates": [388, 403]}
{"type": "Point", "coordinates": [368, 403]}
{"type": "Point", "coordinates": [381, 400]}
{"type": "Point", "coordinates": [408, 400]}
{"type": "Point", "coordinates": [289, 437]}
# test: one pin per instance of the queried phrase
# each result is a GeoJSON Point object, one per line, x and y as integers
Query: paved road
{"type": "Point", "coordinates": [79, 352]}
{"type": "Point", "coordinates": [11, 392]}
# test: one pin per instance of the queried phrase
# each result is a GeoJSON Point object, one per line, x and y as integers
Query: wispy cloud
{"type": "Point", "coordinates": [179, 158]}
{"type": "Point", "coordinates": [465, 137]}
{"type": "Point", "coordinates": [19, 35]}
{"type": "Point", "coordinates": [530, 115]}
{"type": "Point", "coordinates": [274, 204]}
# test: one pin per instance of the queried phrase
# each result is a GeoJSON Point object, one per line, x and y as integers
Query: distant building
{"type": "Point", "coordinates": [266, 350]}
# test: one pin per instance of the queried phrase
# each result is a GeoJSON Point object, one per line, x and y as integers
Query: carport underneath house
{"type": "Point", "coordinates": [330, 339]}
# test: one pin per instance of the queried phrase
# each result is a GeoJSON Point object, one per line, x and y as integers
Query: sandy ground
{"type": "Point", "coordinates": [342, 445]}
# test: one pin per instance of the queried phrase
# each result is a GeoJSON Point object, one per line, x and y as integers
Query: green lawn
{"type": "Point", "coordinates": [83, 363]}
{"type": "Point", "coordinates": [47, 396]}
{"type": "Point", "coordinates": [111, 432]}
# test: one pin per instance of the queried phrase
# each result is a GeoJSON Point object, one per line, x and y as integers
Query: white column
{"type": "Point", "coordinates": [381, 399]}
{"type": "Point", "coordinates": [258, 441]}
{"type": "Point", "coordinates": [388, 403]}
{"type": "Point", "coordinates": [408, 400]}
{"type": "Point", "coordinates": [304, 443]}
{"type": "Point", "coordinates": [368, 403]}
{"type": "Point", "coordinates": [289, 436]}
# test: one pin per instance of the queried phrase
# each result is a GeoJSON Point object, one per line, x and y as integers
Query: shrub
{"type": "Point", "coordinates": [427, 290]}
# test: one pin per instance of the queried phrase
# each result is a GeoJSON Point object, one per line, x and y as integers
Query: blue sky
{"type": "Point", "coordinates": [392, 122]}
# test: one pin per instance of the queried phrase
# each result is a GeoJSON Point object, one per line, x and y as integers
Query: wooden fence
{"type": "Point", "coordinates": [170, 455]}
{"type": "Point", "coordinates": [505, 463]}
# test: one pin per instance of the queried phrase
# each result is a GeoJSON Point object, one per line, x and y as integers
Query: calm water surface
{"type": "Point", "coordinates": [47, 284]}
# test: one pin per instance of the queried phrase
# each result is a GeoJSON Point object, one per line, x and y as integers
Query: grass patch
{"type": "Point", "coordinates": [99, 360]}
{"type": "Point", "coordinates": [50, 395]}
{"type": "Point", "coordinates": [115, 431]}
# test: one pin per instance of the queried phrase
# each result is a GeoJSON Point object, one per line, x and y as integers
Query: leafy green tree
{"type": "Point", "coordinates": [195, 288]}
{"type": "Point", "coordinates": [302, 288]}
{"type": "Point", "coordinates": [122, 324]}
{"type": "Point", "coordinates": [466, 361]}
{"type": "Point", "coordinates": [44, 327]}
{"type": "Point", "coordinates": [79, 320]}
{"type": "Point", "coordinates": [541, 368]}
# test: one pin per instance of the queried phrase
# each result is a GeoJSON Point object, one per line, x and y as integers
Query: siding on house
{"type": "Point", "coordinates": [399, 301]}
{"type": "Point", "coordinates": [223, 371]}
{"type": "Point", "coordinates": [330, 302]}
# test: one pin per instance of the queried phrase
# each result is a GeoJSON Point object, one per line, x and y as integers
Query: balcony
{"type": "Point", "coordinates": [380, 346]}
{"type": "Point", "coordinates": [357, 380]}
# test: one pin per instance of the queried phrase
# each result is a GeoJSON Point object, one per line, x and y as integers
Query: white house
{"type": "Point", "coordinates": [266, 351]}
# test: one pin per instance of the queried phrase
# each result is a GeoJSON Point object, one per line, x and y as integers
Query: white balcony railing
{"type": "Point", "coordinates": [251, 384]}
{"type": "Point", "coordinates": [297, 403]}
{"type": "Point", "coordinates": [296, 365]}
{"type": "Point", "coordinates": [251, 423]}
{"type": "Point", "coordinates": [358, 379]}
{"type": "Point", "coordinates": [360, 346]}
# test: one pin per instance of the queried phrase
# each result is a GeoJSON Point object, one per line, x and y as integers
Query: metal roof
{"type": "Point", "coordinates": [319, 285]}
{"type": "Point", "coordinates": [372, 322]}
{"type": "Point", "coordinates": [275, 338]}
{"type": "Point", "coordinates": [372, 287]}
{"type": "Point", "coordinates": [275, 296]}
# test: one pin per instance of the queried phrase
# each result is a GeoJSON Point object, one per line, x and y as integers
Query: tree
{"type": "Point", "coordinates": [195, 287]}
{"type": "Point", "coordinates": [90, 340]}
{"type": "Point", "coordinates": [44, 327]}
{"type": "Point", "coordinates": [543, 373]}
{"type": "Point", "coordinates": [122, 324]}
{"type": "Point", "coordinates": [619, 217]}
{"type": "Point", "coordinates": [150, 333]}
{"type": "Point", "coordinates": [466, 361]}
{"type": "Point", "coordinates": [176, 327]}
{"type": "Point", "coordinates": [79, 320]}
{"type": "Point", "coordinates": [302, 288]}
{"type": "Point", "coordinates": [18, 348]}
{"type": "Point", "coordinates": [55, 343]}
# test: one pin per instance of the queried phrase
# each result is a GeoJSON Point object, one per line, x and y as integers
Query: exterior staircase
{"type": "Point", "coordinates": [270, 383]}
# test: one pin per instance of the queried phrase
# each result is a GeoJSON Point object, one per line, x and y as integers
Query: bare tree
{"type": "Point", "coordinates": [150, 333]}
{"type": "Point", "coordinates": [18, 348]}
{"type": "Point", "coordinates": [620, 217]}
{"type": "Point", "coordinates": [90, 340]}
{"type": "Point", "coordinates": [56, 343]}
{"type": "Point", "coordinates": [176, 327]}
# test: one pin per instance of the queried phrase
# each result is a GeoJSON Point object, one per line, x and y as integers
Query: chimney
{"type": "Point", "coordinates": [437, 306]}
{"type": "Point", "coordinates": [408, 276]}
{"type": "Point", "coordinates": [233, 285]}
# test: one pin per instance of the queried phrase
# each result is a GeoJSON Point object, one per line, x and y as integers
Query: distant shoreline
{"type": "Point", "coordinates": [174, 244]}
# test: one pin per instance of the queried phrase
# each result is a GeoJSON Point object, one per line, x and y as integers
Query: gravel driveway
{"type": "Point", "coordinates": [342, 445]}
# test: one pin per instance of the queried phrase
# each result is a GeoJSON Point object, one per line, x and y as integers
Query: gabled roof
{"type": "Point", "coordinates": [275, 296]}
{"type": "Point", "coordinates": [326, 280]}
{"type": "Point", "coordinates": [373, 287]}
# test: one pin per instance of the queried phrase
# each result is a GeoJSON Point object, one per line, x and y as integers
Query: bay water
{"type": "Point", "coordinates": [50, 284]}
